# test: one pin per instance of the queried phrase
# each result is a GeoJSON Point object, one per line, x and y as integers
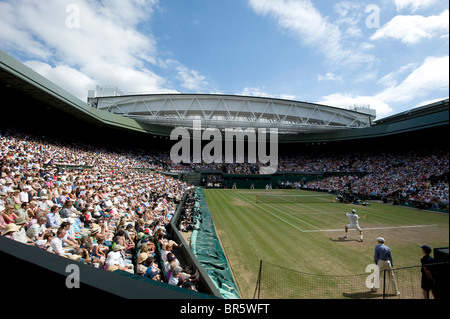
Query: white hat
{"type": "Point", "coordinates": [380, 239]}
{"type": "Point", "coordinates": [40, 242]}
{"type": "Point", "coordinates": [141, 269]}
{"type": "Point", "coordinates": [118, 247]}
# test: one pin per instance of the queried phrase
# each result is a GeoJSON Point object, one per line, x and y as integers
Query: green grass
{"type": "Point", "coordinates": [306, 237]}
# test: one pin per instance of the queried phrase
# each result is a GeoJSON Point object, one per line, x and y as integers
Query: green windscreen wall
{"type": "Point", "coordinates": [206, 247]}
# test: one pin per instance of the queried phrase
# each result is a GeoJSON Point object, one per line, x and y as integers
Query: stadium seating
{"type": "Point", "coordinates": [129, 187]}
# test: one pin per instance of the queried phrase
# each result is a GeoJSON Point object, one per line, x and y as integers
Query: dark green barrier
{"type": "Point", "coordinates": [206, 246]}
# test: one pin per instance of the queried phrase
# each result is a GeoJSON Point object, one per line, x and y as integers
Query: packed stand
{"type": "Point", "coordinates": [190, 216]}
{"type": "Point", "coordinates": [417, 178]}
{"type": "Point", "coordinates": [101, 207]}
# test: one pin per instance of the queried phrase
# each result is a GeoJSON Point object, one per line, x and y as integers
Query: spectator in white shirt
{"type": "Point", "coordinates": [23, 195]}
{"type": "Point", "coordinates": [174, 278]}
{"type": "Point", "coordinates": [56, 243]}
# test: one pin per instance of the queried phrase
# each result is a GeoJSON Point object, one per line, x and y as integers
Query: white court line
{"type": "Point", "coordinates": [291, 215]}
{"type": "Point", "coordinates": [372, 228]}
{"type": "Point", "coordinates": [271, 213]}
{"type": "Point", "coordinates": [332, 230]}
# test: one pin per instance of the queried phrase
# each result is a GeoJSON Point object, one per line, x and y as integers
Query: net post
{"type": "Point", "coordinates": [258, 282]}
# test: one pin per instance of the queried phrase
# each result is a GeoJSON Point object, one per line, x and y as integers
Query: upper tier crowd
{"type": "Point", "coordinates": [420, 176]}
{"type": "Point", "coordinates": [411, 176]}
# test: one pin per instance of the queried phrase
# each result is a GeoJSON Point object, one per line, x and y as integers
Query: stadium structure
{"type": "Point", "coordinates": [109, 116]}
{"type": "Point", "coordinates": [229, 111]}
{"type": "Point", "coordinates": [158, 114]}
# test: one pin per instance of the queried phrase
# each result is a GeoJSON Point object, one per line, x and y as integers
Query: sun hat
{"type": "Point", "coordinates": [75, 257]}
{"type": "Point", "coordinates": [94, 230]}
{"type": "Point", "coordinates": [10, 228]}
{"type": "Point", "coordinates": [139, 236]}
{"type": "Point", "coordinates": [40, 242]}
{"type": "Point", "coordinates": [142, 257]}
{"type": "Point", "coordinates": [118, 247]}
{"type": "Point", "coordinates": [113, 267]}
{"type": "Point", "coordinates": [20, 221]}
{"type": "Point", "coordinates": [141, 269]}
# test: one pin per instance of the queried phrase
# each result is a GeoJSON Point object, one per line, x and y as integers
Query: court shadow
{"type": "Point", "coordinates": [343, 240]}
{"type": "Point", "coordinates": [363, 295]}
{"type": "Point", "coordinates": [367, 295]}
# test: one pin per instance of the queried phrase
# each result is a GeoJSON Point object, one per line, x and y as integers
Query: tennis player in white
{"type": "Point", "coordinates": [353, 224]}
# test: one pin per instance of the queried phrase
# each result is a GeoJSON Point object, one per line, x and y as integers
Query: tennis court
{"type": "Point", "coordinates": [306, 235]}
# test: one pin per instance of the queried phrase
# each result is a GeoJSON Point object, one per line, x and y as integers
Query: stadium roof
{"type": "Point", "coordinates": [157, 114]}
{"type": "Point", "coordinates": [418, 112]}
{"type": "Point", "coordinates": [232, 111]}
{"type": "Point", "coordinates": [16, 76]}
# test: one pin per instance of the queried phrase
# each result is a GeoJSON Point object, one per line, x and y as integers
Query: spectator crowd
{"type": "Point", "coordinates": [110, 208]}
{"type": "Point", "coordinates": [408, 176]}
{"type": "Point", "coordinates": [411, 176]}
{"type": "Point", "coordinates": [106, 208]}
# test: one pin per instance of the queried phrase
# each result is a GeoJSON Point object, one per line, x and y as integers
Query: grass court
{"type": "Point", "coordinates": [307, 237]}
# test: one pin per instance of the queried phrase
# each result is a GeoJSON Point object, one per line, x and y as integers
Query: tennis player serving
{"type": "Point", "coordinates": [353, 224]}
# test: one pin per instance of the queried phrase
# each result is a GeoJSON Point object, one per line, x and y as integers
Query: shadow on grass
{"type": "Point", "coordinates": [367, 295]}
{"type": "Point", "coordinates": [343, 240]}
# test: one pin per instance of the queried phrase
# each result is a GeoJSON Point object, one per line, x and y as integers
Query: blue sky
{"type": "Point", "coordinates": [390, 54]}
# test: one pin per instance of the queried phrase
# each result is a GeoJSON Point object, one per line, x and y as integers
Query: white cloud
{"type": "Point", "coordinates": [303, 21]}
{"type": "Point", "coordinates": [349, 17]}
{"type": "Point", "coordinates": [254, 91]}
{"type": "Point", "coordinates": [100, 37]}
{"type": "Point", "coordinates": [343, 8]}
{"type": "Point", "coordinates": [329, 77]}
{"type": "Point", "coordinates": [14, 34]}
{"type": "Point", "coordinates": [191, 79]}
{"type": "Point", "coordinates": [67, 78]}
{"type": "Point", "coordinates": [128, 79]}
{"type": "Point", "coordinates": [389, 80]}
{"type": "Point", "coordinates": [140, 11]}
{"type": "Point", "coordinates": [431, 76]}
{"type": "Point", "coordinates": [367, 76]}
{"type": "Point", "coordinates": [347, 101]}
{"type": "Point", "coordinates": [413, 5]}
{"type": "Point", "coordinates": [413, 29]}
{"type": "Point", "coordinates": [261, 92]}
{"type": "Point", "coordinates": [367, 46]}
{"type": "Point", "coordinates": [108, 47]}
